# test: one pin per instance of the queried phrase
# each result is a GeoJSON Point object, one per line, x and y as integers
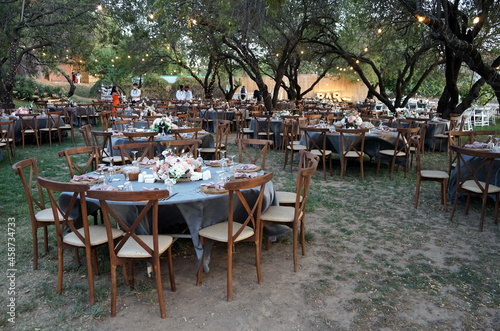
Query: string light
{"type": "Point", "coordinates": [366, 49]}
{"type": "Point", "coordinates": [421, 19]}
{"type": "Point", "coordinates": [475, 20]}
{"type": "Point", "coordinates": [151, 16]}
{"type": "Point", "coordinates": [379, 30]}
{"type": "Point", "coordinates": [99, 7]}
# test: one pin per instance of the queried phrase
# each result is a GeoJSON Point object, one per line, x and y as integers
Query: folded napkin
{"type": "Point", "coordinates": [245, 175]}
{"type": "Point", "coordinates": [104, 188]}
{"type": "Point", "coordinates": [107, 168]}
{"type": "Point", "coordinates": [217, 186]}
{"type": "Point", "coordinates": [150, 188]}
{"type": "Point", "coordinates": [117, 133]}
{"type": "Point", "coordinates": [85, 178]}
{"type": "Point", "coordinates": [476, 144]}
{"type": "Point", "coordinates": [246, 167]}
{"type": "Point", "coordinates": [147, 161]}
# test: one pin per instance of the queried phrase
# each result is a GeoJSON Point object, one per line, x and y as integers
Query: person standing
{"type": "Point", "coordinates": [180, 94]}
{"type": "Point", "coordinates": [135, 93]}
{"type": "Point", "coordinates": [188, 95]}
{"type": "Point", "coordinates": [243, 93]}
{"type": "Point", "coordinates": [257, 95]}
{"type": "Point", "coordinates": [78, 78]}
{"type": "Point", "coordinates": [116, 100]}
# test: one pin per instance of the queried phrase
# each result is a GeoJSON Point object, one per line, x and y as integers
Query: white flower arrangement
{"type": "Point", "coordinates": [163, 125]}
{"type": "Point", "coordinates": [174, 167]}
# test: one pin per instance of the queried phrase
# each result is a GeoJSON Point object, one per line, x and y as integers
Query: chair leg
{"type": "Point", "coordinates": [295, 247]}
{"type": "Point", "coordinates": [417, 192]}
{"type": "Point", "coordinates": [444, 185]}
{"type": "Point", "coordinates": [113, 288]}
{"type": "Point", "coordinates": [200, 267]}
{"type": "Point", "coordinates": [171, 270]}
{"type": "Point", "coordinates": [34, 231]}
{"type": "Point", "coordinates": [60, 260]}
{"type": "Point", "coordinates": [90, 273]}
{"type": "Point", "coordinates": [229, 271]}
{"type": "Point", "coordinates": [303, 237]}
{"type": "Point", "coordinates": [257, 260]}
{"type": "Point", "coordinates": [159, 288]}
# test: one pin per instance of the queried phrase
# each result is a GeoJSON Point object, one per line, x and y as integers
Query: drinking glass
{"type": "Point", "coordinates": [134, 162]}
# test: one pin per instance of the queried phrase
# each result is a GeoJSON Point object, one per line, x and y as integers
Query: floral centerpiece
{"type": "Point", "coordinates": [410, 114]}
{"type": "Point", "coordinates": [148, 111]}
{"type": "Point", "coordinates": [175, 167]}
{"type": "Point", "coordinates": [283, 113]}
{"type": "Point", "coordinates": [351, 120]}
{"type": "Point", "coordinates": [163, 125]}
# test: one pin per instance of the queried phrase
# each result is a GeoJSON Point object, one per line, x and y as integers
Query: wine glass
{"type": "Point", "coordinates": [134, 162]}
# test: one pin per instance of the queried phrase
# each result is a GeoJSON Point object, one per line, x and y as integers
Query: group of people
{"type": "Point", "coordinates": [184, 93]}
{"type": "Point", "coordinates": [135, 95]}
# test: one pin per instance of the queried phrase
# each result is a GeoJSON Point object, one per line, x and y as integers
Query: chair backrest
{"type": "Point", "coordinates": [144, 150]}
{"type": "Point", "coordinates": [182, 146]}
{"type": "Point", "coordinates": [132, 136]}
{"type": "Point", "coordinates": [252, 209]}
{"type": "Point", "coordinates": [406, 137]}
{"type": "Point", "coordinates": [352, 140]}
{"type": "Point", "coordinates": [150, 199]}
{"type": "Point", "coordinates": [121, 125]}
{"type": "Point", "coordinates": [86, 131]}
{"type": "Point", "coordinates": [81, 160]}
{"type": "Point", "coordinates": [196, 122]}
{"type": "Point", "coordinates": [103, 140]}
{"type": "Point", "coordinates": [53, 119]}
{"type": "Point", "coordinates": [27, 170]}
{"type": "Point", "coordinates": [65, 217]}
{"type": "Point", "coordinates": [221, 135]}
{"type": "Point", "coordinates": [263, 124]}
{"type": "Point", "coordinates": [186, 133]}
{"type": "Point", "coordinates": [308, 167]}
{"type": "Point", "coordinates": [6, 132]}
{"type": "Point", "coordinates": [315, 138]}
{"type": "Point", "coordinates": [313, 119]}
{"type": "Point", "coordinates": [28, 122]}
{"type": "Point", "coordinates": [253, 150]}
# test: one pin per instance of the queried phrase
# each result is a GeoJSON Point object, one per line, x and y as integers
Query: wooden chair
{"type": "Point", "coordinates": [103, 140]}
{"type": "Point", "coordinates": [146, 135]}
{"type": "Point", "coordinates": [85, 114]}
{"type": "Point", "coordinates": [400, 151]}
{"type": "Point", "coordinates": [150, 119]}
{"type": "Point", "coordinates": [29, 127]}
{"type": "Point", "coordinates": [52, 126]}
{"type": "Point", "coordinates": [81, 160]}
{"type": "Point", "coordinates": [7, 140]}
{"type": "Point", "coordinates": [121, 125]}
{"type": "Point", "coordinates": [313, 119]}
{"type": "Point", "coordinates": [40, 217]}
{"type": "Point", "coordinates": [72, 236]}
{"type": "Point", "coordinates": [352, 145]}
{"type": "Point", "coordinates": [236, 230]}
{"type": "Point", "coordinates": [290, 147]}
{"type": "Point", "coordinates": [196, 122]}
{"type": "Point", "coordinates": [182, 119]}
{"type": "Point", "coordinates": [86, 132]}
{"type": "Point", "coordinates": [286, 198]}
{"type": "Point", "coordinates": [460, 139]}
{"type": "Point", "coordinates": [316, 143]}
{"type": "Point", "coordinates": [182, 146]}
{"type": "Point", "coordinates": [440, 137]}
{"type": "Point", "coordinates": [429, 175]}
{"type": "Point", "coordinates": [475, 172]}
{"type": "Point", "coordinates": [131, 246]}
{"type": "Point", "coordinates": [186, 133]}
{"type": "Point", "coordinates": [241, 126]}
{"type": "Point", "coordinates": [221, 136]}
{"type": "Point", "coordinates": [251, 150]}
{"type": "Point", "coordinates": [294, 217]}
{"type": "Point", "coordinates": [263, 127]}
{"type": "Point", "coordinates": [106, 119]}
{"type": "Point", "coordinates": [144, 149]}
{"type": "Point", "coordinates": [67, 117]}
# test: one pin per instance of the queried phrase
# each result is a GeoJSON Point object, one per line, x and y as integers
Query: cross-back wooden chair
{"type": "Point", "coordinates": [315, 142]}
{"type": "Point", "coordinates": [52, 126]}
{"type": "Point", "coordinates": [29, 127]}
{"type": "Point", "coordinates": [460, 139]}
{"type": "Point", "coordinates": [186, 133]}
{"type": "Point", "coordinates": [144, 150]}
{"type": "Point", "coordinates": [313, 119]}
{"type": "Point", "coordinates": [290, 137]}
{"type": "Point", "coordinates": [401, 150]}
{"type": "Point", "coordinates": [236, 230]}
{"type": "Point", "coordinates": [429, 175]}
{"type": "Point", "coordinates": [179, 147]}
{"type": "Point", "coordinates": [7, 139]}
{"type": "Point", "coordinates": [454, 125]}
{"type": "Point", "coordinates": [145, 135]}
{"type": "Point", "coordinates": [352, 145]}
{"type": "Point", "coordinates": [81, 160]}
{"type": "Point", "coordinates": [103, 140]}
{"type": "Point", "coordinates": [221, 136]}
{"type": "Point", "coordinates": [253, 150]}
{"type": "Point", "coordinates": [73, 236]}
{"type": "Point", "coordinates": [475, 173]}
{"type": "Point", "coordinates": [86, 132]}
{"type": "Point", "coordinates": [294, 216]}
{"type": "Point", "coordinates": [121, 125]}
{"type": "Point", "coordinates": [131, 246]}
{"type": "Point", "coordinates": [241, 126]}
{"type": "Point", "coordinates": [196, 122]}
{"type": "Point", "coordinates": [40, 216]}
{"type": "Point", "coordinates": [262, 125]}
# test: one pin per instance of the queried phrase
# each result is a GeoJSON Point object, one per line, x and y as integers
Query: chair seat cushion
{"type": "Point", "coordinates": [353, 154]}
{"type": "Point", "coordinates": [132, 249]}
{"type": "Point", "coordinates": [297, 147]}
{"type": "Point", "coordinates": [247, 130]}
{"type": "Point", "coordinates": [207, 150]}
{"type": "Point", "coordinates": [46, 215]}
{"type": "Point", "coordinates": [3, 144]}
{"type": "Point", "coordinates": [390, 152]}
{"type": "Point", "coordinates": [320, 153]}
{"type": "Point", "coordinates": [218, 232]}
{"type": "Point", "coordinates": [265, 133]}
{"type": "Point", "coordinates": [286, 197]}
{"type": "Point", "coordinates": [437, 174]}
{"type": "Point", "coordinates": [471, 185]}
{"type": "Point", "coordinates": [282, 214]}
{"type": "Point", "coordinates": [97, 236]}
{"type": "Point", "coordinates": [441, 136]}
{"type": "Point", "coordinates": [116, 158]}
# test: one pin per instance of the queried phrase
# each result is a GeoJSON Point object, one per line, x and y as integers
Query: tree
{"type": "Point", "coordinates": [469, 32]}
{"type": "Point", "coordinates": [37, 30]}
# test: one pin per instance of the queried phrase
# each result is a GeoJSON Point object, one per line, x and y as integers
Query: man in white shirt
{"type": "Point", "coordinates": [188, 95]}
{"type": "Point", "coordinates": [180, 94]}
{"type": "Point", "coordinates": [135, 94]}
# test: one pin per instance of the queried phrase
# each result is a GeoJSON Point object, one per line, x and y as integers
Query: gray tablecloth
{"type": "Point", "coordinates": [188, 206]}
